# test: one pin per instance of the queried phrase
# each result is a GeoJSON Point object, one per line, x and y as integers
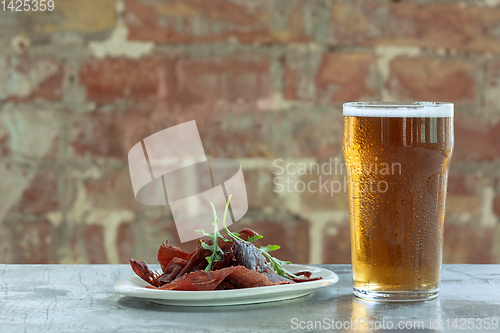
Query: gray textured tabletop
{"type": "Point", "coordinates": [81, 298]}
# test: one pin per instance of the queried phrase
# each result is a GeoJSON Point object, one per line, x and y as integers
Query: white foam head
{"type": "Point", "coordinates": [399, 109]}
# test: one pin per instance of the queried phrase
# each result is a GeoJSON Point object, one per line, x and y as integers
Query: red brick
{"type": "Point", "coordinates": [139, 121]}
{"type": "Point", "coordinates": [114, 78]}
{"type": "Point", "coordinates": [299, 71]}
{"type": "Point", "coordinates": [349, 74]}
{"type": "Point", "coordinates": [476, 140]}
{"type": "Point", "coordinates": [86, 17]}
{"type": "Point", "coordinates": [418, 78]}
{"type": "Point", "coordinates": [177, 83]}
{"type": "Point", "coordinates": [333, 197]}
{"type": "Point", "coordinates": [433, 25]}
{"type": "Point", "coordinates": [447, 25]}
{"type": "Point", "coordinates": [223, 137]}
{"type": "Point", "coordinates": [96, 134]}
{"type": "Point", "coordinates": [41, 195]}
{"type": "Point", "coordinates": [469, 244]}
{"type": "Point", "coordinates": [33, 243]}
{"type": "Point", "coordinates": [463, 195]}
{"type": "Point", "coordinates": [291, 134]}
{"type": "Point", "coordinates": [112, 191]}
{"type": "Point", "coordinates": [460, 184]}
{"type": "Point", "coordinates": [496, 205]}
{"type": "Point", "coordinates": [292, 236]}
{"type": "Point", "coordinates": [194, 92]}
{"type": "Point", "coordinates": [31, 79]}
{"type": "Point", "coordinates": [260, 188]}
{"type": "Point", "coordinates": [125, 241]}
{"type": "Point", "coordinates": [4, 146]}
{"type": "Point", "coordinates": [93, 237]}
{"type": "Point", "coordinates": [179, 21]}
{"type": "Point", "coordinates": [354, 21]}
{"type": "Point", "coordinates": [239, 78]}
{"type": "Point", "coordinates": [340, 77]}
{"type": "Point", "coordinates": [491, 88]}
{"type": "Point", "coordinates": [337, 247]}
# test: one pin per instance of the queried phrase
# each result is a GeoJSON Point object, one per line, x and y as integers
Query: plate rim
{"type": "Point", "coordinates": [127, 287]}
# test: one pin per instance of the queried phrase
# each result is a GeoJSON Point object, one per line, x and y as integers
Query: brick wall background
{"type": "Point", "coordinates": [265, 80]}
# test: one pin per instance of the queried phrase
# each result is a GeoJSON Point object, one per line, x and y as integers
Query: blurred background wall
{"type": "Point", "coordinates": [265, 80]}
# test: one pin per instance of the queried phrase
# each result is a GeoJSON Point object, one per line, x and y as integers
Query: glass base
{"type": "Point", "coordinates": [396, 296]}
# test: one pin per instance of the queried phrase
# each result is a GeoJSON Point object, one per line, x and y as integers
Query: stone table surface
{"type": "Point", "coordinates": [81, 298]}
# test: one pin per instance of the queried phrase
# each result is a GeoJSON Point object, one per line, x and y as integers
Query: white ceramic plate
{"type": "Point", "coordinates": [135, 287]}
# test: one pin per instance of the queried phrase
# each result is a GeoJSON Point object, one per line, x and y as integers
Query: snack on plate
{"type": "Point", "coordinates": [221, 262]}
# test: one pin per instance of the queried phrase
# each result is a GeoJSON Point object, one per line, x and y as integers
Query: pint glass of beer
{"type": "Point", "coordinates": [397, 157]}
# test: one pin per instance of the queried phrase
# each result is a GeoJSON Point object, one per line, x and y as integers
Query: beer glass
{"type": "Point", "coordinates": [397, 157]}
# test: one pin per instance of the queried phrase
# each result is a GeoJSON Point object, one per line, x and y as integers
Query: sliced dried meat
{"type": "Point", "coordinates": [247, 278]}
{"type": "Point", "coordinates": [235, 276]}
{"type": "Point", "coordinates": [305, 279]}
{"type": "Point", "coordinates": [197, 261]}
{"type": "Point", "coordinates": [224, 286]}
{"type": "Point", "coordinates": [249, 256]}
{"type": "Point", "coordinates": [246, 233]}
{"type": "Point", "coordinates": [179, 266]}
{"type": "Point", "coordinates": [199, 280]}
{"type": "Point", "coordinates": [141, 269]}
{"type": "Point", "coordinates": [167, 252]}
{"type": "Point", "coordinates": [275, 278]}
{"type": "Point", "coordinates": [172, 271]}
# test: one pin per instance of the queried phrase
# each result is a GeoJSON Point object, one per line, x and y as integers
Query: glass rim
{"type": "Point", "coordinates": [402, 104]}
{"type": "Point", "coordinates": [398, 109]}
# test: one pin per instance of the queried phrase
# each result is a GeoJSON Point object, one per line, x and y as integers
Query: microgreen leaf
{"type": "Point", "coordinates": [216, 250]}
{"type": "Point", "coordinates": [205, 246]}
{"type": "Point", "coordinates": [276, 264]}
{"type": "Point", "coordinates": [254, 238]}
{"type": "Point", "coordinates": [269, 248]}
{"type": "Point", "coordinates": [203, 233]}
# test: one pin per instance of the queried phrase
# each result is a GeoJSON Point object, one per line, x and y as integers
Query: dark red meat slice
{"type": "Point", "coordinates": [166, 253]}
{"type": "Point", "coordinates": [199, 280]}
{"type": "Point", "coordinates": [141, 269]}
{"type": "Point", "coordinates": [246, 233]}
{"type": "Point", "coordinates": [236, 276]}
{"type": "Point", "coordinates": [242, 266]}
{"type": "Point", "coordinates": [246, 278]}
{"type": "Point", "coordinates": [249, 256]}
{"type": "Point", "coordinates": [224, 286]}
{"type": "Point", "coordinates": [275, 278]}
{"type": "Point", "coordinates": [172, 271]}
{"type": "Point", "coordinates": [305, 279]}
{"type": "Point", "coordinates": [197, 261]}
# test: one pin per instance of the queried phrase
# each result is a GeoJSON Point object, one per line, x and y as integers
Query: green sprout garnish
{"type": "Point", "coordinates": [254, 238]}
{"type": "Point", "coordinates": [276, 264]}
{"type": "Point", "coordinates": [217, 253]}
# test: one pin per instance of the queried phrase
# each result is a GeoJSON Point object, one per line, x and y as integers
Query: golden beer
{"type": "Point", "coordinates": [397, 157]}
